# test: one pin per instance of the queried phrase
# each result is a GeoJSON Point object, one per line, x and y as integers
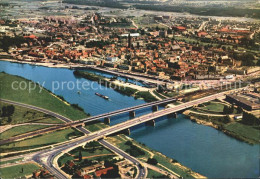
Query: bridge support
{"type": "Point", "coordinates": [107, 120]}
{"type": "Point", "coordinates": [132, 113]}
{"type": "Point", "coordinates": [174, 115]}
{"type": "Point", "coordinates": [127, 132]}
{"type": "Point", "coordinates": [150, 123]}
{"type": "Point", "coordinates": [155, 108]}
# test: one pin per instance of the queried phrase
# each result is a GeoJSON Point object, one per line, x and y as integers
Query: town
{"type": "Point", "coordinates": [203, 68]}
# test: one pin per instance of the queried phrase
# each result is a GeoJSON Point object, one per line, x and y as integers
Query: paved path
{"type": "Point", "coordinates": [52, 153]}
{"type": "Point", "coordinates": [7, 127]}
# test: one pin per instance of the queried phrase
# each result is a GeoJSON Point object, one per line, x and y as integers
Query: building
{"type": "Point", "coordinates": [248, 101]}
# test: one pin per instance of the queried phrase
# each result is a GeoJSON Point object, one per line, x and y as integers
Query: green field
{"type": "Point", "coordinates": [49, 121]}
{"type": "Point", "coordinates": [96, 126]}
{"type": "Point", "coordinates": [10, 161]}
{"type": "Point", "coordinates": [215, 107]}
{"type": "Point", "coordinates": [20, 130]}
{"type": "Point", "coordinates": [22, 115]}
{"type": "Point", "coordinates": [43, 99]}
{"type": "Point", "coordinates": [120, 141]}
{"type": "Point", "coordinates": [158, 94]}
{"type": "Point", "coordinates": [88, 152]}
{"type": "Point", "coordinates": [247, 133]}
{"type": "Point", "coordinates": [16, 171]}
{"type": "Point", "coordinates": [42, 140]}
{"type": "Point", "coordinates": [154, 174]}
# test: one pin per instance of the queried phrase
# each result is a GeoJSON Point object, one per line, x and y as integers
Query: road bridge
{"type": "Point", "coordinates": [155, 115]}
{"type": "Point", "coordinates": [81, 122]}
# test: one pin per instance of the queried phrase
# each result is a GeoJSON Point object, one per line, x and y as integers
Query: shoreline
{"type": "Point", "coordinates": [219, 128]}
{"type": "Point", "coordinates": [44, 64]}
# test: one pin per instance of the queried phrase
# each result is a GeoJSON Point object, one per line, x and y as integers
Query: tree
{"type": "Point", "coordinates": [226, 119]}
{"type": "Point", "coordinates": [239, 109]}
{"type": "Point", "coordinates": [152, 161]}
{"type": "Point", "coordinates": [129, 143]}
{"type": "Point", "coordinates": [7, 111]}
{"type": "Point", "coordinates": [108, 164]}
{"type": "Point", "coordinates": [80, 156]}
{"type": "Point", "coordinates": [250, 119]}
{"type": "Point", "coordinates": [225, 110]}
{"type": "Point", "coordinates": [228, 110]}
{"type": "Point", "coordinates": [211, 69]}
{"type": "Point", "coordinates": [258, 63]}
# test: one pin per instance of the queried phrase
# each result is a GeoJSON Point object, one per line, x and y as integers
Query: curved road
{"type": "Point", "coordinates": [52, 153]}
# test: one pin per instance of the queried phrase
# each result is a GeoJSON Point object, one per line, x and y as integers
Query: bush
{"type": "Point", "coordinates": [152, 161]}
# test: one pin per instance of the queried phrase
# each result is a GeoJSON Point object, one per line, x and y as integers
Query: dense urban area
{"type": "Point", "coordinates": [71, 71]}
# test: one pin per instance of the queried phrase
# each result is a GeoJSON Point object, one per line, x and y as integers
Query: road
{"type": "Point", "coordinates": [52, 153]}
{"type": "Point", "coordinates": [135, 76]}
{"type": "Point", "coordinates": [68, 122]}
{"type": "Point", "coordinates": [119, 127]}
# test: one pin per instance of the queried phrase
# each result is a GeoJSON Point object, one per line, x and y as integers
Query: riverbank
{"type": "Point", "coordinates": [45, 64]}
{"type": "Point", "coordinates": [124, 88]}
{"type": "Point", "coordinates": [233, 129]}
{"type": "Point", "coordinates": [165, 163]}
{"type": "Point", "coordinates": [39, 96]}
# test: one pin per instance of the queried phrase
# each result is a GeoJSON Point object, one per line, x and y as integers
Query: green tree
{"type": "Point", "coordinates": [152, 161]}
{"type": "Point", "coordinates": [80, 156]}
{"type": "Point", "coordinates": [239, 109]}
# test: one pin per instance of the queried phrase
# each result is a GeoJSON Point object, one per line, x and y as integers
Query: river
{"type": "Point", "coordinates": [201, 148]}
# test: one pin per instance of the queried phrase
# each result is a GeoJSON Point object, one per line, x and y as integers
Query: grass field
{"type": "Point", "coordinates": [158, 94]}
{"type": "Point", "coordinates": [10, 161]}
{"type": "Point", "coordinates": [20, 130]}
{"type": "Point", "coordinates": [215, 107]}
{"type": "Point", "coordinates": [96, 126]}
{"type": "Point", "coordinates": [44, 99]}
{"type": "Point", "coordinates": [154, 174]}
{"type": "Point", "coordinates": [88, 152]}
{"type": "Point", "coordinates": [248, 133]}
{"type": "Point", "coordinates": [22, 115]}
{"type": "Point", "coordinates": [49, 121]}
{"type": "Point", "coordinates": [42, 140]}
{"type": "Point", "coordinates": [16, 171]}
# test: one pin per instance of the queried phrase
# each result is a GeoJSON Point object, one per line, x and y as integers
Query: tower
{"type": "Point", "coordinates": [129, 41]}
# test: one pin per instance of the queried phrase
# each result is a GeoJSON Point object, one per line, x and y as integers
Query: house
{"type": "Point", "coordinates": [103, 171]}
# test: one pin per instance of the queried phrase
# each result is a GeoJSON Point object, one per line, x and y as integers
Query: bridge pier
{"type": "Point", "coordinates": [150, 123]}
{"type": "Point", "coordinates": [132, 113]}
{"type": "Point", "coordinates": [127, 132]}
{"type": "Point", "coordinates": [155, 108]}
{"type": "Point", "coordinates": [107, 120]}
{"type": "Point", "coordinates": [174, 115]}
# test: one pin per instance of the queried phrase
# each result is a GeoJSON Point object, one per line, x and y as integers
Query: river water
{"type": "Point", "coordinates": [201, 148]}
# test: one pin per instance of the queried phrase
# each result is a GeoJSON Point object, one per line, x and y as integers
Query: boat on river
{"type": "Point", "coordinates": [102, 96]}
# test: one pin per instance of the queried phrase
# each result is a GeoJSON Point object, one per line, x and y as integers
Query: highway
{"type": "Point", "coordinates": [119, 127]}
{"type": "Point", "coordinates": [52, 153]}
{"type": "Point", "coordinates": [99, 135]}
{"type": "Point", "coordinates": [70, 123]}
{"type": "Point", "coordinates": [90, 119]}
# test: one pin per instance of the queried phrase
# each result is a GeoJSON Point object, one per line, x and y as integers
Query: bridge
{"type": "Point", "coordinates": [131, 111]}
{"type": "Point", "coordinates": [145, 118]}
{"type": "Point", "coordinates": [81, 122]}
{"type": "Point", "coordinates": [127, 124]}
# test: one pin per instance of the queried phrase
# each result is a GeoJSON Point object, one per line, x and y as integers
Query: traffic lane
{"type": "Point", "coordinates": [37, 109]}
